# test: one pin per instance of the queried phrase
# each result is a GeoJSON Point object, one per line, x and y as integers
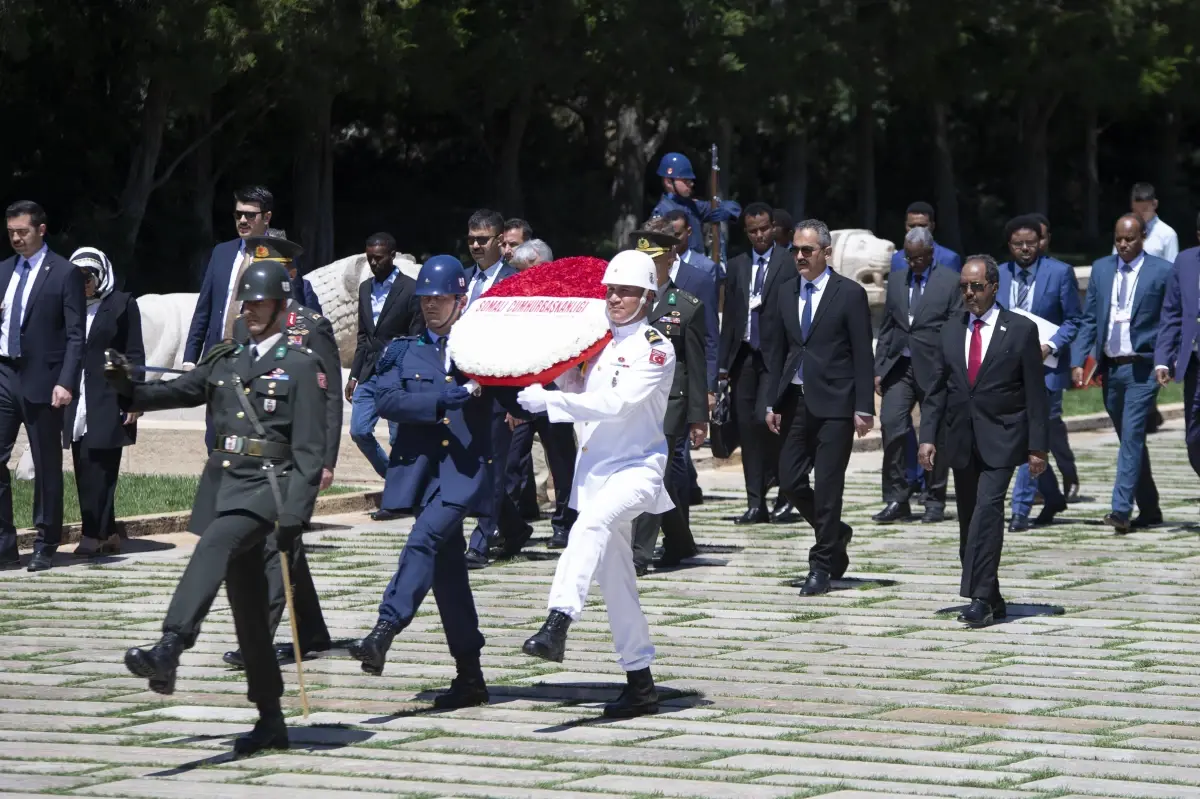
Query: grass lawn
{"type": "Point", "coordinates": [137, 494]}
{"type": "Point", "coordinates": [1091, 400]}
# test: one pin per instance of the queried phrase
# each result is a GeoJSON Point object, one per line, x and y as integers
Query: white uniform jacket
{"type": "Point", "coordinates": [618, 404]}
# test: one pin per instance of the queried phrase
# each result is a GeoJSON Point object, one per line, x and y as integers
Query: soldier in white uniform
{"type": "Point", "coordinates": [617, 401]}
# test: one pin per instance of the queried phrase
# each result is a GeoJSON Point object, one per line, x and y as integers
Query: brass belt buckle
{"type": "Point", "coordinates": [254, 448]}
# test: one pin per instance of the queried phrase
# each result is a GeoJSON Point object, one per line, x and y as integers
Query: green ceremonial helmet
{"type": "Point", "coordinates": [267, 276]}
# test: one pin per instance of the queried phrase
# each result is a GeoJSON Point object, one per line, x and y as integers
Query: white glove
{"type": "Point", "coordinates": [533, 398]}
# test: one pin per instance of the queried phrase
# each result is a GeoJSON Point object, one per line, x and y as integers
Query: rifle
{"type": "Point", "coordinates": [714, 190]}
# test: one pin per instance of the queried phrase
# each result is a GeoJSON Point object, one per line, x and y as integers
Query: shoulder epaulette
{"type": "Point", "coordinates": [653, 336]}
{"type": "Point", "coordinates": [220, 351]}
{"type": "Point", "coordinates": [394, 352]}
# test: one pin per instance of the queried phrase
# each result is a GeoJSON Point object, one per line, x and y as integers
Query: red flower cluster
{"type": "Point", "coordinates": [577, 276]}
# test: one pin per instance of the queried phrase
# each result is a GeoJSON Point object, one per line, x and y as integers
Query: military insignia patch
{"type": "Point", "coordinates": [279, 374]}
{"type": "Point", "coordinates": [658, 357]}
{"type": "Point", "coordinates": [322, 380]}
{"type": "Point", "coordinates": [297, 340]}
{"type": "Point", "coordinates": [261, 252]}
{"type": "Point", "coordinates": [614, 382]}
{"type": "Point", "coordinates": [291, 319]}
{"type": "Point", "coordinates": [653, 336]}
{"type": "Point", "coordinates": [269, 405]}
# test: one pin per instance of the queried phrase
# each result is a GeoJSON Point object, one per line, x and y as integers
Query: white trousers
{"type": "Point", "coordinates": [600, 547]}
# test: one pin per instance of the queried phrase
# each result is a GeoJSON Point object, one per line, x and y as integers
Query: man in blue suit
{"type": "Point", "coordinates": [42, 334]}
{"type": "Point", "coordinates": [1119, 328]}
{"type": "Point", "coordinates": [921, 214]}
{"type": "Point", "coordinates": [1045, 287]}
{"type": "Point", "coordinates": [1175, 353]}
{"type": "Point", "coordinates": [439, 471]}
{"type": "Point", "coordinates": [501, 520]}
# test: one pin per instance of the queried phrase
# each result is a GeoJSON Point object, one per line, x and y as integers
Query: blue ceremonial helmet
{"type": "Point", "coordinates": [676, 165]}
{"type": "Point", "coordinates": [441, 274]}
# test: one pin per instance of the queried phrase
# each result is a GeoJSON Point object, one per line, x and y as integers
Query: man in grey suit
{"type": "Point", "coordinates": [919, 301]}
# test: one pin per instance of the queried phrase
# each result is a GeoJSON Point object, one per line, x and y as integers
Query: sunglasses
{"type": "Point", "coordinates": [249, 216]}
{"type": "Point", "coordinates": [479, 241]}
{"type": "Point", "coordinates": [973, 286]}
{"type": "Point", "coordinates": [808, 252]}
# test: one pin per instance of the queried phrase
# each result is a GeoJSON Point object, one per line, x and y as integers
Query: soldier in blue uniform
{"type": "Point", "coordinates": [678, 182]}
{"type": "Point", "coordinates": [440, 471]}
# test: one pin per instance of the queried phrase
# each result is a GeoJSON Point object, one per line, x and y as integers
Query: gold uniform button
{"type": "Point", "coordinates": [446, 420]}
{"type": "Point", "coordinates": [416, 377]}
{"type": "Point", "coordinates": [271, 384]}
{"type": "Point", "coordinates": [489, 460]}
{"type": "Point", "coordinates": [447, 443]}
{"type": "Point", "coordinates": [220, 382]}
{"type": "Point", "coordinates": [241, 415]}
{"type": "Point", "coordinates": [449, 379]}
{"type": "Point", "coordinates": [247, 391]}
{"type": "Point", "coordinates": [225, 464]}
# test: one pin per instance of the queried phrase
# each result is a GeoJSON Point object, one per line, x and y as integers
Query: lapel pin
{"type": "Point", "coordinates": [1003, 329]}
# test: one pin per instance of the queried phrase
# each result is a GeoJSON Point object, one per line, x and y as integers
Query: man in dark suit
{"type": "Point", "coordinates": [918, 303]}
{"type": "Point", "coordinates": [212, 320]}
{"type": "Point", "coordinates": [751, 286]}
{"type": "Point", "coordinates": [988, 406]}
{"type": "Point", "coordinates": [502, 524]}
{"type": "Point", "coordinates": [1119, 328]}
{"type": "Point", "coordinates": [921, 214]}
{"type": "Point", "coordinates": [387, 308]}
{"type": "Point", "coordinates": [681, 318]}
{"type": "Point", "coordinates": [820, 376]}
{"type": "Point", "coordinates": [41, 358]}
{"type": "Point", "coordinates": [1175, 351]}
{"type": "Point", "coordinates": [1040, 285]}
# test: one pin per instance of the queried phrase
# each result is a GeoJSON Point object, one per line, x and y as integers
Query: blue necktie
{"type": "Point", "coordinates": [1023, 291]}
{"type": "Point", "coordinates": [917, 291]}
{"type": "Point", "coordinates": [757, 291]}
{"type": "Point", "coordinates": [805, 322]}
{"type": "Point", "coordinates": [17, 310]}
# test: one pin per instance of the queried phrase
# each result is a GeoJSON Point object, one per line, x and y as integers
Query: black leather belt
{"type": "Point", "coordinates": [254, 447]}
{"type": "Point", "coordinates": [1125, 359]}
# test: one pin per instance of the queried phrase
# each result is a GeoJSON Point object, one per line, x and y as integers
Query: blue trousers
{"type": "Point", "coordinates": [363, 419]}
{"type": "Point", "coordinates": [434, 557]}
{"type": "Point", "coordinates": [1025, 486]}
{"type": "Point", "coordinates": [1130, 391]}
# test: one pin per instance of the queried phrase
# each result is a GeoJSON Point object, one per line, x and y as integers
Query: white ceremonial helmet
{"type": "Point", "coordinates": [631, 268]}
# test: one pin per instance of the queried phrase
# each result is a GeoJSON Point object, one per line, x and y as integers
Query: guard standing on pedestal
{"type": "Point", "coordinates": [267, 400]}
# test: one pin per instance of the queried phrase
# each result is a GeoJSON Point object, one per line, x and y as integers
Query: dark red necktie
{"type": "Point", "coordinates": [976, 355]}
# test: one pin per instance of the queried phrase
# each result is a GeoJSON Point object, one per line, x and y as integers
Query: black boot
{"type": "Point", "coordinates": [158, 663]}
{"type": "Point", "coordinates": [467, 689]}
{"type": "Point", "coordinates": [550, 642]}
{"type": "Point", "coordinates": [638, 699]}
{"type": "Point", "coordinates": [270, 731]}
{"type": "Point", "coordinates": [372, 650]}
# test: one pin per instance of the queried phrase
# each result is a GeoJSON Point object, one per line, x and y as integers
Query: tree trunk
{"type": "Point", "coordinates": [865, 118]}
{"type": "Point", "coordinates": [631, 152]}
{"type": "Point", "coordinates": [139, 183]}
{"type": "Point", "coordinates": [1167, 185]}
{"type": "Point", "coordinates": [947, 189]}
{"type": "Point", "coordinates": [1091, 169]}
{"type": "Point", "coordinates": [312, 178]}
{"type": "Point", "coordinates": [795, 175]}
{"type": "Point", "coordinates": [1033, 189]}
{"type": "Point", "coordinates": [508, 176]}
{"type": "Point", "coordinates": [204, 189]}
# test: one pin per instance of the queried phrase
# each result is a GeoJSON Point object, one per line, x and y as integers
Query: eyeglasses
{"type": "Point", "coordinates": [250, 216]}
{"type": "Point", "coordinates": [479, 241]}
{"type": "Point", "coordinates": [973, 286]}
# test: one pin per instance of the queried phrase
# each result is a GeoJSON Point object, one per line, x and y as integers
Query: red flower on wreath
{"type": "Point", "coordinates": [577, 276]}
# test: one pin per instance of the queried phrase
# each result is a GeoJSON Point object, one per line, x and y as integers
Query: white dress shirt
{"type": "Point", "coordinates": [261, 348]}
{"type": "Point", "coordinates": [985, 334]}
{"type": "Point", "coordinates": [233, 276]}
{"type": "Point", "coordinates": [818, 292]}
{"type": "Point", "coordinates": [674, 270]}
{"type": "Point", "coordinates": [486, 277]}
{"type": "Point", "coordinates": [1116, 339]}
{"type": "Point", "coordinates": [80, 428]}
{"type": "Point", "coordinates": [755, 259]}
{"type": "Point", "coordinates": [380, 292]}
{"type": "Point", "coordinates": [10, 294]}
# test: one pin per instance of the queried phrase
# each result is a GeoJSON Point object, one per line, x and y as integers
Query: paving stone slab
{"type": "Point", "coordinates": [677, 787]}
{"type": "Point", "coordinates": [860, 769]}
{"type": "Point", "coordinates": [1121, 788]}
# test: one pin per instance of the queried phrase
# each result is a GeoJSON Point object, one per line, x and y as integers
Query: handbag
{"type": "Point", "coordinates": [723, 432]}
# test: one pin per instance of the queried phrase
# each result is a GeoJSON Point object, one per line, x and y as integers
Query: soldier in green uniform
{"type": "Point", "coordinates": [267, 400]}
{"type": "Point", "coordinates": [680, 317]}
{"type": "Point", "coordinates": [303, 328]}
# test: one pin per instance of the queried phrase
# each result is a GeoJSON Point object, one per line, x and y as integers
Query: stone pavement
{"type": "Point", "coordinates": [1091, 688]}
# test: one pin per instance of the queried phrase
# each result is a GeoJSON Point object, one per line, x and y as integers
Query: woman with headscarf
{"type": "Point", "coordinates": [95, 428]}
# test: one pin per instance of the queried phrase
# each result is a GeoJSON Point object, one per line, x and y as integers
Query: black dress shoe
{"type": "Point", "coordinates": [476, 560]}
{"type": "Point", "coordinates": [234, 658]}
{"type": "Point", "coordinates": [933, 515]}
{"type": "Point", "coordinates": [158, 663]}
{"type": "Point", "coordinates": [1071, 492]}
{"type": "Point", "coordinates": [816, 583]}
{"type": "Point", "coordinates": [40, 562]}
{"type": "Point", "coordinates": [372, 650]}
{"type": "Point", "coordinates": [1049, 511]}
{"type": "Point", "coordinates": [1119, 522]}
{"type": "Point", "coordinates": [999, 608]}
{"type": "Point", "coordinates": [1019, 523]}
{"type": "Point", "coordinates": [892, 512]}
{"type": "Point", "coordinates": [385, 515]}
{"type": "Point", "coordinates": [1147, 519]}
{"type": "Point", "coordinates": [465, 691]}
{"type": "Point", "coordinates": [671, 557]}
{"type": "Point", "coordinates": [550, 642]}
{"type": "Point", "coordinates": [753, 516]}
{"type": "Point", "coordinates": [979, 614]}
{"type": "Point", "coordinates": [558, 539]}
{"type": "Point", "coordinates": [268, 733]}
{"type": "Point", "coordinates": [639, 698]}
{"type": "Point", "coordinates": [641, 569]}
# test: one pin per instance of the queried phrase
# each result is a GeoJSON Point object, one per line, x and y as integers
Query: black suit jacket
{"type": "Point", "coordinates": [780, 267]}
{"type": "Point", "coordinates": [52, 331]}
{"type": "Point", "coordinates": [118, 324]}
{"type": "Point", "coordinates": [940, 300]}
{"type": "Point", "coordinates": [838, 377]}
{"type": "Point", "coordinates": [401, 316]}
{"type": "Point", "coordinates": [1004, 416]}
